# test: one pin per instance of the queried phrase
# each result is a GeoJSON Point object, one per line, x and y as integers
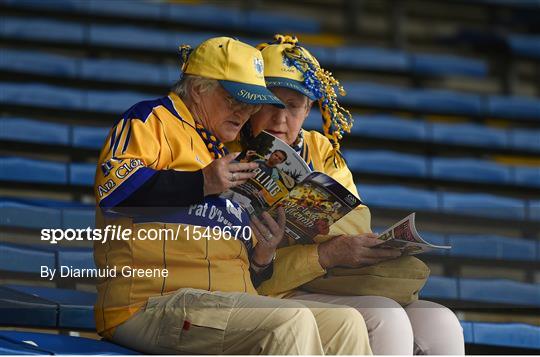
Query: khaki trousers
{"type": "Point", "coordinates": [193, 321]}
{"type": "Point", "coordinates": [421, 328]}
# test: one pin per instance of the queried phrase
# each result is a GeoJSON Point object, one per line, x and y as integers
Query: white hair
{"type": "Point", "coordinates": [188, 81]}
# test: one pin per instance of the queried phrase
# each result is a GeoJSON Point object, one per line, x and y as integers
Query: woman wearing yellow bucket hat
{"type": "Point", "coordinates": [297, 79]}
{"type": "Point", "coordinates": [191, 288]}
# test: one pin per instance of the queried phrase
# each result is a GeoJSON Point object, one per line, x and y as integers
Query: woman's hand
{"type": "Point", "coordinates": [223, 174]}
{"type": "Point", "coordinates": [354, 251]}
{"type": "Point", "coordinates": [269, 234]}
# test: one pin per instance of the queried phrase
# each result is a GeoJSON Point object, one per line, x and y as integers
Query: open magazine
{"type": "Point", "coordinates": [403, 236]}
{"type": "Point", "coordinates": [312, 201]}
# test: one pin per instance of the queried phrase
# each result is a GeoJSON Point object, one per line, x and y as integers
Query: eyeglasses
{"type": "Point", "coordinates": [238, 107]}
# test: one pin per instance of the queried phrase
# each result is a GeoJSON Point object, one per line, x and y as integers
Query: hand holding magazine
{"type": "Point", "coordinates": [312, 201]}
{"type": "Point", "coordinates": [403, 236]}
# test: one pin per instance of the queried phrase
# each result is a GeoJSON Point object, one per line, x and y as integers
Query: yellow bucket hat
{"type": "Point", "coordinates": [289, 65]}
{"type": "Point", "coordinates": [237, 66]}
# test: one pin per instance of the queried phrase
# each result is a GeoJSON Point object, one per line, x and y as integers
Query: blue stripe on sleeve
{"type": "Point", "coordinates": [136, 180]}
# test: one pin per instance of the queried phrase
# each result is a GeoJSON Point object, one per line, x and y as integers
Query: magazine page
{"type": "Point", "coordinates": [280, 169]}
{"type": "Point", "coordinates": [404, 236]}
{"type": "Point", "coordinates": [314, 205]}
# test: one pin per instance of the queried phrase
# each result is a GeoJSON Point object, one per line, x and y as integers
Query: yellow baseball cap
{"type": "Point", "coordinates": [279, 71]}
{"type": "Point", "coordinates": [237, 66]}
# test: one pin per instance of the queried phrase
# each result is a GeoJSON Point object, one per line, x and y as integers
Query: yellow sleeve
{"type": "Point", "coordinates": [129, 157]}
{"type": "Point", "coordinates": [293, 267]}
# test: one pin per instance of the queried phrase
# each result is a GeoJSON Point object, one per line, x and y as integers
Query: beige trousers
{"type": "Point", "coordinates": [422, 327]}
{"type": "Point", "coordinates": [195, 321]}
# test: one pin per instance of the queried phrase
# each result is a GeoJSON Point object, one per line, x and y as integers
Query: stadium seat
{"type": "Point", "coordinates": [113, 101]}
{"type": "Point", "coordinates": [440, 287]}
{"type": "Point", "coordinates": [436, 239]}
{"type": "Point", "coordinates": [470, 170]}
{"type": "Point", "coordinates": [386, 126]}
{"type": "Point", "coordinates": [25, 259]}
{"type": "Point", "coordinates": [525, 45]}
{"type": "Point", "coordinates": [33, 131]}
{"type": "Point", "coordinates": [443, 101]}
{"type": "Point", "coordinates": [88, 136]}
{"type": "Point", "coordinates": [527, 176]}
{"type": "Point", "coordinates": [124, 71]}
{"type": "Point", "coordinates": [516, 335]}
{"type": "Point", "coordinates": [21, 342]}
{"type": "Point", "coordinates": [513, 107]}
{"type": "Point", "coordinates": [492, 247]}
{"type": "Point", "coordinates": [370, 94]}
{"type": "Point", "coordinates": [485, 205]}
{"type": "Point", "coordinates": [439, 65]}
{"type": "Point", "coordinates": [23, 309]}
{"type": "Point", "coordinates": [125, 8]}
{"type": "Point", "coordinates": [469, 134]}
{"type": "Point", "coordinates": [499, 291]}
{"type": "Point", "coordinates": [79, 258]}
{"type": "Point", "coordinates": [75, 308]}
{"type": "Point", "coordinates": [371, 58]}
{"type": "Point", "coordinates": [25, 28]}
{"type": "Point", "coordinates": [467, 327]}
{"type": "Point", "coordinates": [29, 170]}
{"type": "Point", "coordinates": [130, 36]}
{"type": "Point", "coordinates": [534, 210]}
{"type": "Point", "coordinates": [38, 62]}
{"type": "Point", "coordinates": [528, 139]}
{"type": "Point", "coordinates": [78, 218]}
{"type": "Point", "coordinates": [82, 174]}
{"type": "Point", "coordinates": [41, 95]}
{"type": "Point", "coordinates": [386, 162]}
{"type": "Point", "coordinates": [399, 197]}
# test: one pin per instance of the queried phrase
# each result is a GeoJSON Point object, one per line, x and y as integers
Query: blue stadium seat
{"type": "Point", "coordinates": [440, 287]}
{"type": "Point", "coordinates": [75, 308]}
{"type": "Point", "coordinates": [470, 170]}
{"type": "Point", "coordinates": [484, 205]}
{"type": "Point", "coordinates": [122, 70]}
{"type": "Point", "coordinates": [399, 197]}
{"type": "Point", "coordinates": [38, 62]}
{"type": "Point", "coordinates": [130, 36]}
{"type": "Point", "coordinates": [42, 29]}
{"type": "Point", "coordinates": [386, 126]}
{"type": "Point", "coordinates": [516, 335]}
{"type": "Point", "coordinates": [534, 210]}
{"type": "Point", "coordinates": [513, 107]}
{"type": "Point", "coordinates": [78, 218]}
{"type": "Point", "coordinates": [444, 101]}
{"type": "Point", "coordinates": [33, 131]}
{"type": "Point", "coordinates": [125, 8]}
{"type": "Point", "coordinates": [325, 55]}
{"type": "Point", "coordinates": [80, 258]}
{"type": "Point", "coordinates": [527, 176]}
{"type": "Point", "coordinates": [467, 327]}
{"type": "Point", "coordinates": [41, 95]}
{"type": "Point", "coordinates": [40, 213]}
{"type": "Point", "coordinates": [264, 22]}
{"type": "Point", "coordinates": [113, 101]}
{"type": "Point", "coordinates": [440, 65]}
{"type": "Point", "coordinates": [55, 5]}
{"type": "Point", "coordinates": [20, 342]}
{"type": "Point", "coordinates": [25, 259]}
{"type": "Point", "coordinates": [82, 174]}
{"type": "Point", "coordinates": [29, 170]}
{"type": "Point", "coordinates": [492, 247]}
{"type": "Point", "coordinates": [469, 134]}
{"type": "Point", "coordinates": [500, 291]}
{"type": "Point", "coordinates": [371, 58]}
{"type": "Point", "coordinates": [386, 162]}
{"type": "Point", "coordinates": [527, 139]}
{"type": "Point", "coordinates": [23, 309]}
{"type": "Point", "coordinates": [525, 45]}
{"type": "Point", "coordinates": [89, 137]}
{"type": "Point", "coordinates": [370, 94]}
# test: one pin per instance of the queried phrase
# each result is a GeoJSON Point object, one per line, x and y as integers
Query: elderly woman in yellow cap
{"type": "Point", "coordinates": [296, 78]}
{"type": "Point", "coordinates": [190, 287]}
